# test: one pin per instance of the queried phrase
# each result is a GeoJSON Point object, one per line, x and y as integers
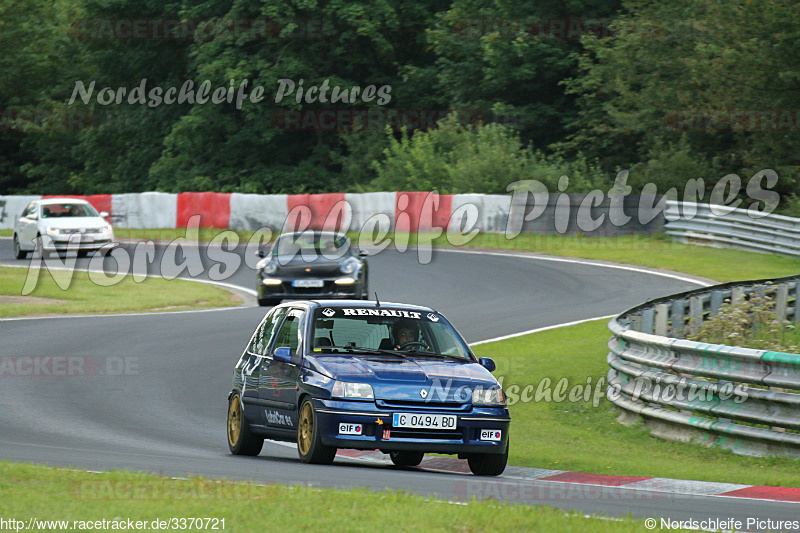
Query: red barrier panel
{"type": "Point", "coordinates": [214, 209]}
{"type": "Point", "coordinates": [324, 214]}
{"type": "Point", "coordinates": [418, 211]}
{"type": "Point", "coordinates": [101, 202]}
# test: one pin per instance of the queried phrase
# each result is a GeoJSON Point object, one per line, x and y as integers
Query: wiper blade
{"type": "Point", "coordinates": [362, 349]}
{"type": "Point", "coordinates": [434, 354]}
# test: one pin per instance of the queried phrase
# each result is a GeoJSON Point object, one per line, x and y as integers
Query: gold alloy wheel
{"type": "Point", "coordinates": [234, 420]}
{"type": "Point", "coordinates": [306, 428]}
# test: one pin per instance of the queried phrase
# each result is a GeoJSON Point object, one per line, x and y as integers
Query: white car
{"type": "Point", "coordinates": [60, 225]}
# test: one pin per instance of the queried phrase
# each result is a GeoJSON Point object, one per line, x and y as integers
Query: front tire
{"type": "Point", "coordinates": [19, 253]}
{"type": "Point", "coordinates": [309, 439]}
{"type": "Point", "coordinates": [268, 302]}
{"type": "Point", "coordinates": [240, 440]}
{"type": "Point", "coordinates": [488, 464]}
{"type": "Point", "coordinates": [403, 458]}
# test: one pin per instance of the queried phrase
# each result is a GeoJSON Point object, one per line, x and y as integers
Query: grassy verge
{"type": "Point", "coordinates": [583, 436]}
{"type": "Point", "coordinates": [85, 296]}
{"type": "Point", "coordinates": [51, 494]}
{"type": "Point", "coordinates": [655, 251]}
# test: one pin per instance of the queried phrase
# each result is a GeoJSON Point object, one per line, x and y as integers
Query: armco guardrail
{"type": "Point", "coordinates": [737, 398]}
{"type": "Point", "coordinates": [719, 226]}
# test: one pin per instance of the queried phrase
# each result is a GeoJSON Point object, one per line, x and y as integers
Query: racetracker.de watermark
{"type": "Point", "coordinates": [529, 491]}
{"type": "Point", "coordinates": [196, 29]}
{"type": "Point", "coordinates": [67, 366]}
{"type": "Point", "coordinates": [734, 120]}
{"type": "Point", "coordinates": [170, 489]}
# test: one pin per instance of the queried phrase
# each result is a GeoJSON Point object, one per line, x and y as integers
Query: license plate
{"type": "Point", "coordinates": [307, 283]}
{"type": "Point", "coordinates": [81, 238]}
{"type": "Point", "coordinates": [415, 421]}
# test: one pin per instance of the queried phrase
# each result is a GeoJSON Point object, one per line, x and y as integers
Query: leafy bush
{"type": "Point", "coordinates": [750, 322]}
{"type": "Point", "coordinates": [485, 158]}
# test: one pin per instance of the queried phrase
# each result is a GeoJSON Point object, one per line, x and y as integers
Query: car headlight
{"type": "Point", "coordinates": [52, 231]}
{"type": "Point", "coordinates": [349, 266]}
{"type": "Point", "coordinates": [482, 396]}
{"type": "Point", "coordinates": [347, 389]}
{"type": "Point", "coordinates": [270, 268]}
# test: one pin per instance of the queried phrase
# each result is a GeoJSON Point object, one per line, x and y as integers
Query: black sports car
{"type": "Point", "coordinates": [312, 264]}
{"type": "Point", "coordinates": [399, 378]}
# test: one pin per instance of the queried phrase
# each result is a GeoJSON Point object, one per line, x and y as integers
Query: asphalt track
{"type": "Point", "coordinates": [149, 391]}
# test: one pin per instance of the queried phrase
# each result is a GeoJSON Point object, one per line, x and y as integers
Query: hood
{"type": "Point", "coordinates": [399, 379]}
{"type": "Point", "coordinates": [296, 267]}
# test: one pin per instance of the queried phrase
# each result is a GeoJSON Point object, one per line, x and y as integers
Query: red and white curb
{"type": "Point", "coordinates": [648, 484]}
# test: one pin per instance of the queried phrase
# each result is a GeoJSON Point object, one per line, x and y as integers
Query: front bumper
{"type": "Point", "coordinates": [329, 290]}
{"type": "Point", "coordinates": [65, 245]}
{"type": "Point", "coordinates": [464, 440]}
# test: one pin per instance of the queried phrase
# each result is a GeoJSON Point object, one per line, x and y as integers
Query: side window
{"type": "Point", "coordinates": [289, 334]}
{"type": "Point", "coordinates": [31, 209]}
{"type": "Point", "coordinates": [266, 330]}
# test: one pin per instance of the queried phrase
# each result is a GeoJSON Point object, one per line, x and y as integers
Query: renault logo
{"type": "Point", "coordinates": [423, 393]}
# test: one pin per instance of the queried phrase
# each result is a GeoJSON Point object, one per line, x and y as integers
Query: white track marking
{"type": "Point", "coordinates": [641, 270]}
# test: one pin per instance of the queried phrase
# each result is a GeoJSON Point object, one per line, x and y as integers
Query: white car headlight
{"type": "Point", "coordinates": [271, 267]}
{"type": "Point", "coordinates": [346, 389]}
{"type": "Point", "coordinates": [482, 396]}
{"type": "Point", "coordinates": [349, 266]}
{"type": "Point", "coordinates": [52, 231]}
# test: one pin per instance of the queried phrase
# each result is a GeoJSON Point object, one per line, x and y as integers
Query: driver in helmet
{"type": "Point", "coordinates": [404, 331]}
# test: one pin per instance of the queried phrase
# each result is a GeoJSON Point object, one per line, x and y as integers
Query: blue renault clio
{"type": "Point", "coordinates": [398, 378]}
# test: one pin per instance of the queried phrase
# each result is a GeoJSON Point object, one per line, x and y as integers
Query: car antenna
{"type": "Point", "coordinates": [377, 302]}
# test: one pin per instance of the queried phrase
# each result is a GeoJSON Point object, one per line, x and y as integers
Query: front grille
{"type": "Point", "coordinates": [88, 231]}
{"type": "Point", "coordinates": [421, 405]}
{"type": "Point", "coordinates": [425, 434]}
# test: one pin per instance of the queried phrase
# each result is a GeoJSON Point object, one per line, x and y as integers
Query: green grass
{"type": "Point", "coordinates": [53, 494]}
{"type": "Point", "coordinates": [653, 251]}
{"type": "Point", "coordinates": [84, 296]}
{"type": "Point", "coordinates": [577, 436]}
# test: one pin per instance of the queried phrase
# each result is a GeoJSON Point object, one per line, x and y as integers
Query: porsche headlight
{"type": "Point", "coordinates": [482, 396]}
{"type": "Point", "coordinates": [270, 268]}
{"type": "Point", "coordinates": [349, 266]}
{"type": "Point", "coordinates": [347, 389]}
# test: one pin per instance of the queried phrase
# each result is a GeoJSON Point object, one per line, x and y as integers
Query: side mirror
{"type": "Point", "coordinates": [283, 354]}
{"type": "Point", "coordinates": [103, 214]}
{"type": "Point", "coordinates": [487, 363]}
{"type": "Point", "coordinates": [363, 253]}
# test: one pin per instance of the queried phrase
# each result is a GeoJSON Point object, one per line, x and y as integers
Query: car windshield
{"type": "Point", "coordinates": [312, 244]}
{"type": "Point", "coordinates": [384, 331]}
{"type": "Point", "coordinates": [68, 210]}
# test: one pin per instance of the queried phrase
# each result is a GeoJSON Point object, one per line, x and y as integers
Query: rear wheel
{"type": "Point", "coordinates": [488, 464]}
{"type": "Point", "coordinates": [18, 252]}
{"type": "Point", "coordinates": [309, 438]}
{"type": "Point", "coordinates": [240, 440]}
{"type": "Point", "coordinates": [403, 458]}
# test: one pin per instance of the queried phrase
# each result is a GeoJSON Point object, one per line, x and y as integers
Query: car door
{"type": "Point", "coordinates": [278, 383]}
{"type": "Point", "coordinates": [27, 225]}
{"type": "Point", "coordinates": [248, 369]}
